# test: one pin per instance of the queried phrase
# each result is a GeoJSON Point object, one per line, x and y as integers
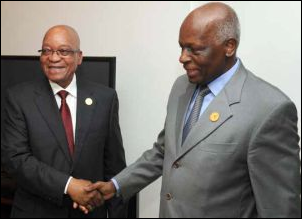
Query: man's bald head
{"type": "Point", "coordinates": [209, 38]}
{"type": "Point", "coordinates": [216, 15]}
{"type": "Point", "coordinates": [62, 54]}
{"type": "Point", "coordinates": [68, 31]}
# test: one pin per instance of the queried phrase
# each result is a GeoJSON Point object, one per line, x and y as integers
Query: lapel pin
{"type": "Point", "coordinates": [214, 117]}
{"type": "Point", "coordinates": [88, 101]}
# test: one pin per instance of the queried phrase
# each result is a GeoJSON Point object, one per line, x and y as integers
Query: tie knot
{"type": "Point", "coordinates": [204, 91]}
{"type": "Point", "coordinates": [63, 94]}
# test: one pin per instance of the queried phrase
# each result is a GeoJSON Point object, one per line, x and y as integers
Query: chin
{"type": "Point", "coordinates": [54, 79]}
{"type": "Point", "coordinates": [195, 80]}
{"type": "Point", "coordinates": [57, 80]}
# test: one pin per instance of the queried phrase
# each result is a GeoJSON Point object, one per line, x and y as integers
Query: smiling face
{"type": "Point", "coordinates": [58, 68]}
{"type": "Point", "coordinates": [203, 56]}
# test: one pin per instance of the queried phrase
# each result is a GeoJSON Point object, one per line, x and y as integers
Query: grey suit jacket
{"type": "Point", "coordinates": [245, 164]}
{"type": "Point", "coordinates": [34, 148]}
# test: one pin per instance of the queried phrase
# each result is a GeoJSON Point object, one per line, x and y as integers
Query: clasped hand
{"type": "Point", "coordinates": [87, 195]}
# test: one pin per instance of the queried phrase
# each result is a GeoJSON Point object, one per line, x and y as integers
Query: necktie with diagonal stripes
{"type": "Point", "coordinates": [194, 116]}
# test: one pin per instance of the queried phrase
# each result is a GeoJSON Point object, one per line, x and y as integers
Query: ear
{"type": "Point", "coordinates": [80, 57]}
{"type": "Point", "coordinates": [230, 47]}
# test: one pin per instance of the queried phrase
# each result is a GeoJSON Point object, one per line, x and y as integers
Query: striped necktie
{"type": "Point", "coordinates": [194, 116]}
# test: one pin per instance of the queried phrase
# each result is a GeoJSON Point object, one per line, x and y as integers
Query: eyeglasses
{"type": "Point", "coordinates": [60, 52]}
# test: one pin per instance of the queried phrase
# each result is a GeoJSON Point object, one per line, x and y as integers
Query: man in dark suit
{"type": "Point", "coordinates": [60, 135]}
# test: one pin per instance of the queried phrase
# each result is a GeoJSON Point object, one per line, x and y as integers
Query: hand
{"type": "Point", "coordinates": [85, 210]}
{"type": "Point", "coordinates": [78, 194]}
{"type": "Point", "coordinates": [107, 189]}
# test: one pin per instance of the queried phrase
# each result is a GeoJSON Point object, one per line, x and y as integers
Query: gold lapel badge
{"type": "Point", "coordinates": [214, 117]}
{"type": "Point", "coordinates": [88, 101]}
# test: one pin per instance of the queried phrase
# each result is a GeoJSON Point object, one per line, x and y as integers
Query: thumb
{"type": "Point", "coordinates": [94, 186]}
{"type": "Point", "coordinates": [108, 190]}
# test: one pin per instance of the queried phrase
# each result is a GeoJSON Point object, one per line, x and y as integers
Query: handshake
{"type": "Point", "coordinates": [87, 195]}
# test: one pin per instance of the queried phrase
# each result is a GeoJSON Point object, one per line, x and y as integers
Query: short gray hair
{"type": "Point", "coordinates": [228, 28]}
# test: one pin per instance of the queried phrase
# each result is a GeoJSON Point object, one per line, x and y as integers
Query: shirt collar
{"type": "Point", "coordinates": [219, 83]}
{"type": "Point", "coordinates": [71, 88]}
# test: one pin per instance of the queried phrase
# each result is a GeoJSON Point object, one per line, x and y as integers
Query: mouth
{"type": "Point", "coordinates": [55, 69]}
{"type": "Point", "coordinates": [192, 73]}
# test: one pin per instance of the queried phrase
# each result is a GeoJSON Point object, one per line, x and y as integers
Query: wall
{"type": "Point", "coordinates": [144, 38]}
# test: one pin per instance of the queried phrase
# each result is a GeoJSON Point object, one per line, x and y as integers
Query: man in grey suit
{"type": "Point", "coordinates": [229, 147]}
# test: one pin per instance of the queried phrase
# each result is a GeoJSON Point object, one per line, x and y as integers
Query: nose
{"type": "Point", "coordinates": [184, 56]}
{"type": "Point", "coordinates": [54, 57]}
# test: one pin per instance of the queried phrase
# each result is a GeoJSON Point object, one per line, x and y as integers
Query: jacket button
{"type": "Point", "coordinates": [176, 165]}
{"type": "Point", "coordinates": [169, 196]}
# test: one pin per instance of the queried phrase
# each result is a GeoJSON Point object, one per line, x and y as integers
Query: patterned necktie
{"type": "Point", "coordinates": [67, 122]}
{"type": "Point", "coordinates": [194, 116]}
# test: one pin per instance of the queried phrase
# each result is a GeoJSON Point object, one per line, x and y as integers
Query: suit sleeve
{"type": "Point", "coordinates": [144, 171]}
{"type": "Point", "coordinates": [115, 160]}
{"type": "Point", "coordinates": [274, 164]}
{"type": "Point", "coordinates": [31, 174]}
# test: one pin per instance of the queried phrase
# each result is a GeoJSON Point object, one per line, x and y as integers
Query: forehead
{"type": "Point", "coordinates": [59, 37]}
{"type": "Point", "coordinates": [192, 32]}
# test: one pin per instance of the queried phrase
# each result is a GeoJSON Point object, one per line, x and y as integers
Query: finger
{"type": "Point", "coordinates": [98, 199]}
{"type": "Point", "coordinates": [90, 208]}
{"type": "Point", "coordinates": [75, 205]}
{"type": "Point", "coordinates": [109, 196]}
{"type": "Point", "coordinates": [93, 186]}
{"type": "Point", "coordinates": [85, 210]}
{"type": "Point", "coordinates": [95, 199]}
{"type": "Point", "coordinates": [102, 199]}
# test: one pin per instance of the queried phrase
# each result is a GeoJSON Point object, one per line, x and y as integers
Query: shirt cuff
{"type": "Point", "coordinates": [67, 184]}
{"type": "Point", "coordinates": [117, 187]}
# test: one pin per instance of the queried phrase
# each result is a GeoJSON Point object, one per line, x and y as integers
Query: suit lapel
{"type": "Point", "coordinates": [48, 107]}
{"type": "Point", "coordinates": [221, 104]}
{"type": "Point", "coordinates": [84, 116]}
{"type": "Point", "coordinates": [183, 105]}
{"type": "Point", "coordinates": [205, 126]}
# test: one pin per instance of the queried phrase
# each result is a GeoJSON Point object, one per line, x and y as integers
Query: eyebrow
{"type": "Point", "coordinates": [64, 45]}
{"type": "Point", "coordinates": [191, 45]}
{"type": "Point", "coordinates": [60, 47]}
{"type": "Point", "coordinates": [185, 44]}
